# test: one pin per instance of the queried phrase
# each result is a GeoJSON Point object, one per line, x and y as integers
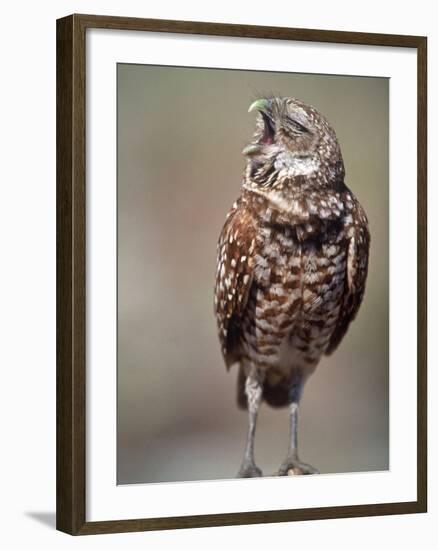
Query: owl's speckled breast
{"type": "Point", "coordinates": [295, 300]}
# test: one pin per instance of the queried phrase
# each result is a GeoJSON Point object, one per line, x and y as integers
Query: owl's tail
{"type": "Point", "coordinates": [276, 391]}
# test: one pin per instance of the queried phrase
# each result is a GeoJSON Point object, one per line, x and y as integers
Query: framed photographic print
{"type": "Point", "coordinates": [241, 274]}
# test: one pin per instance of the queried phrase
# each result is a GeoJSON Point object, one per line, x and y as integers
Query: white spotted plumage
{"type": "Point", "coordinates": [292, 255]}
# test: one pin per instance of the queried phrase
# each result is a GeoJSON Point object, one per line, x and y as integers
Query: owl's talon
{"type": "Point", "coordinates": [249, 469]}
{"type": "Point", "coordinates": [294, 467]}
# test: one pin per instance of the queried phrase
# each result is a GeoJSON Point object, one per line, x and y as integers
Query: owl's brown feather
{"type": "Point", "coordinates": [234, 277]}
{"type": "Point", "coordinates": [357, 270]}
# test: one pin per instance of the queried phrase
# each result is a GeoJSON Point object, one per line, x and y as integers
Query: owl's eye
{"type": "Point", "coordinates": [296, 126]}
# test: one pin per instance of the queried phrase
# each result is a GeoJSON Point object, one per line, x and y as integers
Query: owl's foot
{"type": "Point", "coordinates": [249, 469]}
{"type": "Point", "coordinates": [294, 467]}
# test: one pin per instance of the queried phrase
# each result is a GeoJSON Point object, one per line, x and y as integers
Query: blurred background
{"type": "Point", "coordinates": [180, 136]}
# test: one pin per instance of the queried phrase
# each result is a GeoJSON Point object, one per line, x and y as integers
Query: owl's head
{"type": "Point", "coordinates": [292, 143]}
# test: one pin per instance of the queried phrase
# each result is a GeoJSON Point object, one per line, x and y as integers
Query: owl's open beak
{"type": "Point", "coordinates": [263, 106]}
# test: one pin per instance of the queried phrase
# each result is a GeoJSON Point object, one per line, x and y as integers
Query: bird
{"type": "Point", "coordinates": [292, 264]}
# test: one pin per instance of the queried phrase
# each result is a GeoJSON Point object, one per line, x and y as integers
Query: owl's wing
{"type": "Point", "coordinates": [357, 268]}
{"type": "Point", "coordinates": [234, 277]}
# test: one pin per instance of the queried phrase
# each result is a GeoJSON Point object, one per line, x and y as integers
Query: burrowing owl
{"type": "Point", "coordinates": [292, 264]}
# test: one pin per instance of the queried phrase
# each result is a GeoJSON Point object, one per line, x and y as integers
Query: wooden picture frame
{"type": "Point", "coordinates": [71, 271]}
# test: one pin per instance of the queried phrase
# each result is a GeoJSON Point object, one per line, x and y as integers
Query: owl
{"type": "Point", "coordinates": [292, 264]}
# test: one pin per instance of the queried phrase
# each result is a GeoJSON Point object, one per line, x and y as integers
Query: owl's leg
{"type": "Point", "coordinates": [292, 465]}
{"type": "Point", "coordinates": [253, 391]}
